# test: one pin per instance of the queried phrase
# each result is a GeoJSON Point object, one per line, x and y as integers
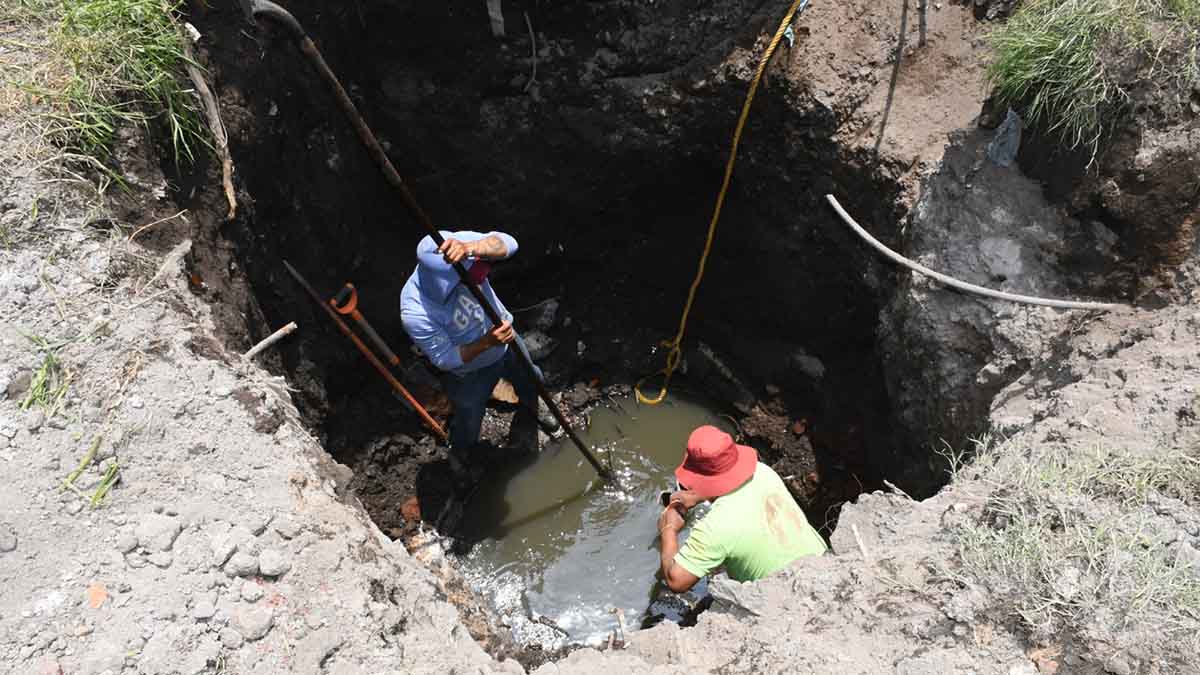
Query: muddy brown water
{"type": "Point", "coordinates": [558, 553]}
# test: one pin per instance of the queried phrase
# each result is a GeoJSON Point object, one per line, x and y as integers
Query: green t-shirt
{"type": "Point", "coordinates": [753, 531]}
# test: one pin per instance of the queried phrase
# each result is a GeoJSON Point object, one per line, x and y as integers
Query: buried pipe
{"type": "Point", "coordinates": [963, 285]}
{"type": "Point", "coordinates": [276, 13]}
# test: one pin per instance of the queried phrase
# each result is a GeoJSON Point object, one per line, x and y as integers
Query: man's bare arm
{"type": "Point", "coordinates": [673, 574]}
{"type": "Point", "coordinates": [500, 335]}
{"type": "Point", "coordinates": [490, 247]}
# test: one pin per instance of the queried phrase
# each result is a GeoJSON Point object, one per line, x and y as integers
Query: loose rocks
{"type": "Point", "coordinates": [286, 527]}
{"type": "Point", "coordinates": [34, 420]}
{"type": "Point", "coordinates": [205, 606]}
{"type": "Point", "coordinates": [19, 384]}
{"type": "Point", "coordinates": [251, 592]}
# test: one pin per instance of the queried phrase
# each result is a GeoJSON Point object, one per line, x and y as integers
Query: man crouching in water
{"type": "Point", "coordinates": [450, 327]}
{"type": "Point", "coordinates": [754, 527]}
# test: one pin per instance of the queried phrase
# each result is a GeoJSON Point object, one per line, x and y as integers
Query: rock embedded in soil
{"type": "Point", "coordinates": [241, 565]}
{"type": "Point", "coordinates": [157, 532]}
{"type": "Point", "coordinates": [19, 384]}
{"type": "Point", "coordinates": [8, 538]}
{"type": "Point", "coordinates": [273, 563]}
{"type": "Point", "coordinates": [254, 622]}
{"type": "Point", "coordinates": [231, 638]}
{"type": "Point", "coordinates": [251, 591]}
{"type": "Point", "coordinates": [317, 647]}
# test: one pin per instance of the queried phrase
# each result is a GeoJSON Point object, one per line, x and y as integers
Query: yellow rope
{"type": "Point", "coordinates": [673, 355]}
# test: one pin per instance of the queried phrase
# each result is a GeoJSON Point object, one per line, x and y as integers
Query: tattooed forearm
{"type": "Point", "coordinates": [489, 248]}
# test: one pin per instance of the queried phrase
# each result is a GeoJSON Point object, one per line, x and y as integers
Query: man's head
{"type": "Point", "coordinates": [713, 464]}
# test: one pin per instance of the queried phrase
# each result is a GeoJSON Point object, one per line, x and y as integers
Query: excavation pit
{"type": "Point", "coordinates": [609, 206]}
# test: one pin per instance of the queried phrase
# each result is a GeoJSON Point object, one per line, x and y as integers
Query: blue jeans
{"type": "Point", "coordinates": [471, 392]}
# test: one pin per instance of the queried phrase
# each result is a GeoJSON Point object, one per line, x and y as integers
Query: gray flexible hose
{"type": "Point", "coordinates": [962, 285]}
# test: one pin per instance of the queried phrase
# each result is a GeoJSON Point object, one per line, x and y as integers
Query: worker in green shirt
{"type": "Point", "coordinates": [754, 527]}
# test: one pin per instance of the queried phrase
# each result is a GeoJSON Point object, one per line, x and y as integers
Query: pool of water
{"type": "Point", "coordinates": [559, 553]}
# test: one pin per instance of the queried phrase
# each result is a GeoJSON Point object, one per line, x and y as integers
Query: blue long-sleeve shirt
{"type": "Point", "coordinates": [440, 314]}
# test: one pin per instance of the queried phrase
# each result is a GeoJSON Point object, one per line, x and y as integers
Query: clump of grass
{"type": "Point", "coordinates": [1070, 540]}
{"type": "Point", "coordinates": [1065, 63]}
{"type": "Point", "coordinates": [121, 62]}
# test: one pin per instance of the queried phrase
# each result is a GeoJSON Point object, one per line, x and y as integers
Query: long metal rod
{"type": "Point", "coordinates": [281, 15]}
{"type": "Point", "coordinates": [366, 351]}
{"type": "Point", "coordinates": [376, 338]}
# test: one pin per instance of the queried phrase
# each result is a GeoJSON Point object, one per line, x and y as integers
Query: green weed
{"type": "Point", "coordinates": [1061, 61]}
{"type": "Point", "coordinates": [111, 476]}
{"type": "Point", "coordinates": [115, 62]}
{"type": "Point", "coordinates": [85, 462]}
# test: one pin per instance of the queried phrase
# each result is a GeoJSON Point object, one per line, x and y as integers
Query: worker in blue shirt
{"type": "Point", "coordinates": [450, 327]}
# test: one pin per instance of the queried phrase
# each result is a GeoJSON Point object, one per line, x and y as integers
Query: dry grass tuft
{"type": "Point", "coordinates": [1085, 541]}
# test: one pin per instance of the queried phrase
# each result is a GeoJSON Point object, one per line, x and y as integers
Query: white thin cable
{"type": "Point", "coordinates": [962, 285]}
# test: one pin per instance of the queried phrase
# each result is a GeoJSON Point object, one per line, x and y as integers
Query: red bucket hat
{"type": "Point", "coordinates": [714, 465]}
